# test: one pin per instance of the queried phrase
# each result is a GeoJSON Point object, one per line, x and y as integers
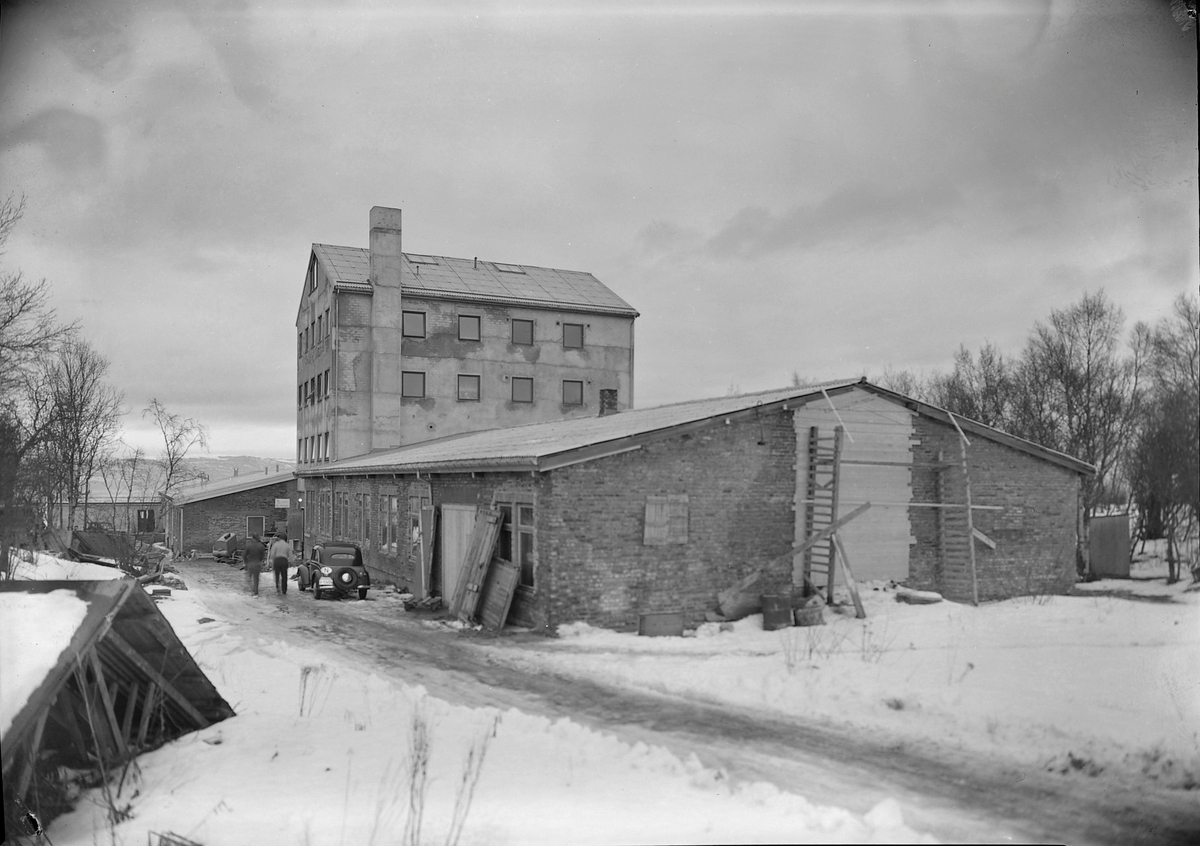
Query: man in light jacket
{"type": "Point", "coordinates": [280, 553]}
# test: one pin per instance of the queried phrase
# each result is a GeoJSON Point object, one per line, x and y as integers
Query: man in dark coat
{"type": "Point", "coordinates": [253, 559]}
{"type": "Point", "coordinates": [280, 553]}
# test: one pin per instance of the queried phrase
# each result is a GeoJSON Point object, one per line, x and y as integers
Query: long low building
{"type": "Point", "coordinates": [658, 509]}
{"type": "Point", "coordinates": [253, 503]}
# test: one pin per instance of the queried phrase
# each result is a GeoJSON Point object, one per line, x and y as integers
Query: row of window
{"type": "Point", "coordinates": [313, 391]}
{"type": "Point", "coordinates": [312, 334]}
{"type": "Point", "coordinates": [313, 448]}
{"type": "Point", "coordinates": [470, 328]}
{"type": "Point", "coordinates": [412, 386]}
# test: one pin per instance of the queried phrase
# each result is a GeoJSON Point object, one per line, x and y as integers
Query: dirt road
{"type": "Point", "coordinates": [953, 796]}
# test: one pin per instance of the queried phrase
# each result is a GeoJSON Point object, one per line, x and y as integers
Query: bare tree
{"type": "Point", "coordinates": [1164, 467]}
{"type": "Point", "coordinates": [980, 388]}
{"type": "Point", "coordinates": [86, 414]}
{"type": "Point", "coordinates": [180, 435]}
{"type": "Point", "coordinates": [29, 332]}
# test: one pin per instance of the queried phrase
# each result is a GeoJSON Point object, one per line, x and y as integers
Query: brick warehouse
{"type": "Point", "coordinates": [658, 509]}
{"type": "Point", "coordinates": [198, 515]}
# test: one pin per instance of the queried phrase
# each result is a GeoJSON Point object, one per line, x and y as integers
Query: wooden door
{"type": "Point", "coordinates": [457, 523]}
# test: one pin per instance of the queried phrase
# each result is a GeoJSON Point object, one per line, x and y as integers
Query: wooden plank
{"type": "Point", "coordinates": [498, 592]}
{"type": "Point", "coordinates": [827, 532]}
{"type": "Point", "coordinates": [428, 521]}
{"type": "Point", "coordinates": [859, 611]}
{"type": "Point", "coordinates": [168, 689]}
{"type": "Point", "coordinates": [149, 706]}
{"type": "Point", "coordinates": [130, 705]}
{"type": "Point", "coordinates": [470, 581]}
{"type": "Point", "coordinates": [962, 445]}
{"type": "Point", "coordinates": [106, 700]}
{"type": "Point", "coordinates": [984, 539]}
{"type": "Point", "coordinates": [35, 744]}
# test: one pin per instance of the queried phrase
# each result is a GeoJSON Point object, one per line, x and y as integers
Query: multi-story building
{"type": "Point", "coordinates": [395, 348]}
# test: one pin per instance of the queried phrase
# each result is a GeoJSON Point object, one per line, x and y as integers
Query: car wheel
{"type": "Point", "coordinates": [316, 591]}
{"type": "Point", "coordinates": [362, 593]}
{"type": "Point", "coordinates": [300, 583]}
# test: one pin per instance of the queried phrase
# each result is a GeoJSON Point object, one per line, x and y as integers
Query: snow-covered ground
{"type": "Point", "coordinates": [324, 754]}
{"type": "Point", "coordinates": [1091, 685]}
{"type": "Point", "coordinates": [1088, 685]}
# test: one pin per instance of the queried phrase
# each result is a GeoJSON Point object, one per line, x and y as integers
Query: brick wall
{"type": "Point", "coordinates": [207, 520]}
{"type": "Point", "coordinates": [739, 517]}
{"type": "Point", "coordinates": [1035, 533]}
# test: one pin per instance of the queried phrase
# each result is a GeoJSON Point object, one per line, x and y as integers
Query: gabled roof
{"type": "Point", "coordinates": [472, 280]}
{"type": "Point", "coordinates": [234, 484]}
{"type": "Point", "coordinates": [547, 446]}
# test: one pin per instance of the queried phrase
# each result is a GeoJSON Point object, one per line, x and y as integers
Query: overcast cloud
{"type": "Point", "coordinates": [825, 187]}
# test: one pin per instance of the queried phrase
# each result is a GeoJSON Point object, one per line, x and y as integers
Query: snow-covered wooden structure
{"type": "Point", "coordinates": [94, 675]}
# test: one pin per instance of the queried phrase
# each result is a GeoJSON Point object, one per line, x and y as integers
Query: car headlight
{"type": "Point", "coordinates": [325, 571]}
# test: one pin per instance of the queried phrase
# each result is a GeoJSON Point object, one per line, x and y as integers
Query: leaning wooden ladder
{"type": "Point", "coordinates": [821, 504]}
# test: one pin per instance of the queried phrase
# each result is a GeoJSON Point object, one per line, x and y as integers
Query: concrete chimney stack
{"type": "Point", "coordinates": [386, 256]}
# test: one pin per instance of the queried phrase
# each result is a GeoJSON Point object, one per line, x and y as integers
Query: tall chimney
{"type": "Point", "coordinates": [386, 257]}
{"type": "Point", "coordinates": [608, 401]}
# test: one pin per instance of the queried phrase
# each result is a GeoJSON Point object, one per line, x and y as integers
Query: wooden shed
{"type": "Point", "coordinates": [123, 684]}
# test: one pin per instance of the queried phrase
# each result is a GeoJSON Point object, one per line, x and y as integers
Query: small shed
{"type": "Point", "coordinates": [252, 504]}
{"type": "Point", "coordinates": [1108, 545]}
{"type": "Point", "coordinates": [93, 676]}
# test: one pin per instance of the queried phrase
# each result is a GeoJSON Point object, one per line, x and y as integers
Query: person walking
{"type": "Point", "coordinates": [252, 560]}
{"type": "Point", "coordinates": [280, 554]}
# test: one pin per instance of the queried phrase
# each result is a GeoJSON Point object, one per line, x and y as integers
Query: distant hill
{"type": "Point", "coordinates": [219, 467]}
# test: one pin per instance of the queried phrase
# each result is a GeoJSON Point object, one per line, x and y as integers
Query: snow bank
{"type": "Point", "coordinates": [40, 566]}
{"type": "Point", "coordinates": [34, 631]}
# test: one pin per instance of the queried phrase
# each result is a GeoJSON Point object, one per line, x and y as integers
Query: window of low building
{"type": "Point", "coordinates": [573, 336]}
{"type": "Point", "coordinates": [468, 387]}
{"type": "Point", "coordinates": [666, 520]}
{"type": "Point", "coordinates": [522, 332]}
{"type": "Point", "coordinates": [572, 392]}
{"type": "Point", "coordinates": [413, 324]}
{"type": "Point", "coordinates": [522, 389]}
{"type": "Point", "coordinates": [517, 535]}
{"type": "Point", "coordinates": [468, 327]}
{"type": "Point", "coordinates": [412, 384]}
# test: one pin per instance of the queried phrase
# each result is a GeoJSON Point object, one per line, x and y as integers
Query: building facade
{"type": "Point", "coordinates": [396, 348]}
{"type": "Point", "coordinates": [659, 509]}
{"type": "Point", "coordinates": [243, 505]}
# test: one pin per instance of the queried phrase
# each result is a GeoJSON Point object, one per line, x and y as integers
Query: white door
{"type": "Point", "coordinates": [458, 521]}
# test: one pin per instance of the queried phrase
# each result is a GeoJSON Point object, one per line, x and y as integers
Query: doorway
{"type": "Point", "coordinates": [458, 521]}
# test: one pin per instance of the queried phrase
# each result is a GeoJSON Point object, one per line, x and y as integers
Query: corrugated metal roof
{"type": "Point", "coordinates": [234, 484]}
{"type": "Point", "coordinates": [468, 279]}
{"type": "Point", "coordinates": [525, 446]}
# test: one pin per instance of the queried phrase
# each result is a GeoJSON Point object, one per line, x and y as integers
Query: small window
{"type": "Point", "coordinates": [522, 332]}
{"type": "Point", "coordinates": [522, 389]}
{"type": "Point", "coordinates": [320, 394]}
{"type": "Point", "coordinates": [326, 384]}
{"type": "Point", "coordinates": [468, 388]}
{"type": "Point", "coordinates": [572, 392]}
{"type": "Point", "coordinates": [327, 323]}
{"type": "Point", "coordinates": [666, 520]}
{"type": "Point", "coordinates": [508, 268]}
{"type": "Point", "coordinates": [468, 328]}
{"type": "Point", "coordinates": [414, 324]}
{"type": "Point", "coordinates": [412, 384]}
{"type": "Point", "coordinates": [573, 336]}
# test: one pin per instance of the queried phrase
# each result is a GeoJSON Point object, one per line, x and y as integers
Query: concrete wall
{"type": "Point", "coordinates": [606, 361]}
{"type": "Point", "coordinates": [315, 359]}
{"type": "Point", "coordinates": [1035, 532]}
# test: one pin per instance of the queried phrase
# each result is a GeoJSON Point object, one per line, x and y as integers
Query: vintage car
{"type": "Point", "coordinates": [334, 569]}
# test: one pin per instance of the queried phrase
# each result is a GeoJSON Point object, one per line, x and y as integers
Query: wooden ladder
{"type": "Point", "coordinates": [821, 504]}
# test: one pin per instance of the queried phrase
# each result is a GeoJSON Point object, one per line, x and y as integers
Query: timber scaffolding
{"type": "Point", "coordinates": [818, 557]}
{"type": "Point", "coordinates": [124, 685]}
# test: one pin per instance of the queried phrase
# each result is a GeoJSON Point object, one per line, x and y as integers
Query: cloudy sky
{"type": "Point", "coordinates": [830, 187]}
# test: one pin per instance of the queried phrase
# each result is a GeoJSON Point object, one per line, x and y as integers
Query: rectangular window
{"type": "Point", "coordinates": [414, 324]}
{"type": "Point", "coordinates": [366, 517]}
{"type": "Point", "coordinates": [517, 538]}
{"type": "Point", "coordinates": [468, 388]}
{"type": "Point", "coordinates": [300, 396]}
{"type": "Point", "coordinates": [572, 392]}
{"type": "Point", "coordinates": [328, 328]}
{"type": "Point", "coordinates": [318, 452]}
{"type": "Point", "coordinates": [299, 447]}
{"type": "Point", "coordinates": [468, 327]}
{"type": "Point", "coordinates": [320, 327]}
{"type": "Point", "coordinates": [573, 336]}
{"type": "Point", "coordinates": [320, 393]}
{"type": "Point", "coordinates": [412, 383]}
{"type": "Point", "coordinates": [522, 389]}
{"type": "Point", "coordinates": [312, 391]}
{"type": "Point", "coordinates": [325, 454]}
{"type": "Point", "coordinates": [666, 520]}
{"type": "Point", "coordinates": [393, 525]}
{"type": "Point", "coordinates": [356, 519]}
{"type": "Point", "coordinates": [522, 332]}
{"type": "Point", "coordinates": [312, 276]}
{"type": "Point", "coordinates": [326, 384]}
{"type": "Point", "coordinates": [299, 343]}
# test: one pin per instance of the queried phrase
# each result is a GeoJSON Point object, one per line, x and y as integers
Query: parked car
{"type": "Point", "coordinates": [334, 569]}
